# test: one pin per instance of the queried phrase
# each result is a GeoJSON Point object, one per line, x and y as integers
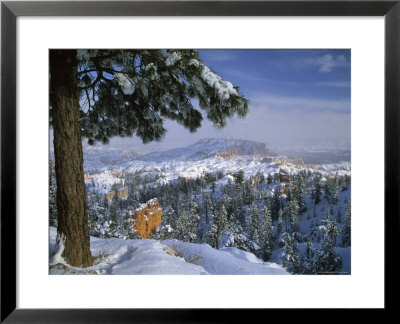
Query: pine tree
{"type": "Point", "coordinates": [317, 191]}
{"type": "Point", "coordinates": [213, 187]}
{"type": "Point", "coordinates": [227, 202]}
{"type": "Point", "coordinates": [238, 239]}
{"type": "Point", "coordinates": [290, 258]}
{"type": "Point", "coordinates": [280, 220]}
{"type": "Point", "coordinates": [308, 260]}
{"type": "Point", "coordinates": [94, 209]}
{"type": "Point", "coordinates": [193, 221]}
{"type": "Point", "coordinates": [221, 222]}
{"type": "Point", "coordinates": [238, 207]}
{"type": "Point", "coordinates": [125, 92]}
{"type": "Point", "coordinates": [207, 203]}
{"type": "Point", "coordinates": [239, 177]}
{"type": "Point", "coordinates": [254, 226]}
{"type": "Point", "coordinates": [346, 235]}
{"type": "Point", "coordinates": [182, 226]}
{"type": "Point", "coordinates": [335, 192]}
{"type": "Point", "coordinates": [276, 203]}
{"type": "Point", "coordinates": [115, 216]}
{"type": "Point", "coordinates": [132, 198]}
{"type": "Point", "coordinates": [291, 214]}
{"type": "Point", "coordinates": [212, 236]}
{"type": "Point", "coordinates": [169, 216]}
{"type": "Point", "coordinates": [104, 209]}
{"type": "Point", "coordinates": [327, 260]}
{"type": "Point", "coordinates": [300, 193]}
{"type": "Point", "coordinates": [267, 240]}
{"type": "Point", "coordinates": [127, 230]}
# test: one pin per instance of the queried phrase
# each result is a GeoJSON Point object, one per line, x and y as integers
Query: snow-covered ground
{"type": "Point", "coordinates": [171, 170]}
{"type": "Point", "coordinates": [117, 257]}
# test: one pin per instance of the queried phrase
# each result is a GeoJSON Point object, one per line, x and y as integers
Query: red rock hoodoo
{"type": "Point", "coordinates": [147, 218]}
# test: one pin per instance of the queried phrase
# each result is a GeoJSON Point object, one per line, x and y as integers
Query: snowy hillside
{"type": "Point", "coordinates": [102, 156]}
{"type": "Point", "coordinates": [172, 170]}
{"type": "Point", "coordinates": [209, 147]}
{"type": "Point", "coordinates": [118, 256]}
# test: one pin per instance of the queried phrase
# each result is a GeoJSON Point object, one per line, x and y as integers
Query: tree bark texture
{"type": "Point", "coordinates": [71, 192]}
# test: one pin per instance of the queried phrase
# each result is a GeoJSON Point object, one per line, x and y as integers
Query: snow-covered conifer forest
{"type": "Point", "coordinates": [228, 207]}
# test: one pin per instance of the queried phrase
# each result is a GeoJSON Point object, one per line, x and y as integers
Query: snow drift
{"type": "Point", "coordinates": [134, 257]}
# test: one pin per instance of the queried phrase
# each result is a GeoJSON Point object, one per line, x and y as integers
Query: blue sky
{"type": "Point", "coordinates": [297, 98]}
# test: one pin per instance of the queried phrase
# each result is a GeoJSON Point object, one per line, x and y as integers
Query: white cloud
{"type": "Point", "coordinates": [328, 62]}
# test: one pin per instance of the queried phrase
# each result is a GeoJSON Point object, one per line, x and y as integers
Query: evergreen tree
{"type": "Point", "coordinates": [193, 221]}
{"type": "Point", "coordinates": [267, 239]}
{"type": "Point", "coordinates": [221, 222]}
{"type": "Point", "coordinates": [166, 229]}
{"type": "Point", "coordinates": [300, 193]}
{"type": "Point", "coordinates": [127, 230]}
{"type": "Point", "coordinates": [254, 226]}
{"type": "Point", "coordinates": [346, 235]}
{"type": "Point", "coordinates": [308, 260]}
{"type": "Point", "coordinates": [269, 179]}
{"type": "Point", "coordinates": [335, 192]}
{"type": "Point", "coordinates": [213, 187]}
{"type": "Point", "coordinates": [132, 199]}
{"type": "Point", "coordinates": [238, 207]}
{"type": "Point", "coordinates": [104, 209]}
{"type": "Point", "coordinates": [212, 236]}
{"type": "Point", "coordinates": [115, 216]}
{"type": "Point", "coordinates": [290, 258]}
{"type": "Point", "coordinates": [227, 202]}
{"type": "Point", "coordinates": [239, 177]}
{"type": "Point", "coordinates": [280, 220]}
{"type": "Point", "coordinates": [165, 232]}
{"type": "Point", "coordinates": [125, 92]}
{"type": "Point", "coordinates": [207, 203]}
{"type": "Point", "coordinates": [182, 225]}
{"type": "Point", "coordinates": [328, 190]}
{"type": "Point", "coordinates": [327, 260]}
{"type": "Point", "coordinates": [317, 192]}
{"type": "Point", "coordinates": [238, 239]}
{"type": "Point", "coordinates": [94, 209]}
{"type": "Point", "coordinates": [292, 212]}
{"type": "Point", "coordinates": [169, 217]}
{"type": "Point", "coordinates": [276, 203]}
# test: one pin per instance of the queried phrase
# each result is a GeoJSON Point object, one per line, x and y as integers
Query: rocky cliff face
{"type": "Point", "coordinates": [147, 218]}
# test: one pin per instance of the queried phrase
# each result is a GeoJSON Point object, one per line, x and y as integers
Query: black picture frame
{"type": "Point", "coordinates": [11, 10]}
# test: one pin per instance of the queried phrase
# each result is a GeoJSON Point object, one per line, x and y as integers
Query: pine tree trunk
{"type": "Point", "coordinates": [72, 230]}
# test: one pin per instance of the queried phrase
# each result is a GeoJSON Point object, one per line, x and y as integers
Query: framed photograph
{"type": "Point", "coordinates": [293, 115]}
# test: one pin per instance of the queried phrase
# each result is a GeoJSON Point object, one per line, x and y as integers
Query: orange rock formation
{"type": "Point", "coordinates": [122, 193]}
{"type": "Point", "coordinates": [147, 218]}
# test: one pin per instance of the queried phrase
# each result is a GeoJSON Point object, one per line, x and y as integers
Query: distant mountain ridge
{"type": "Point", "coordinates": [209, 147]}
{"type": "Point", "coordinates": [102, 156]}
